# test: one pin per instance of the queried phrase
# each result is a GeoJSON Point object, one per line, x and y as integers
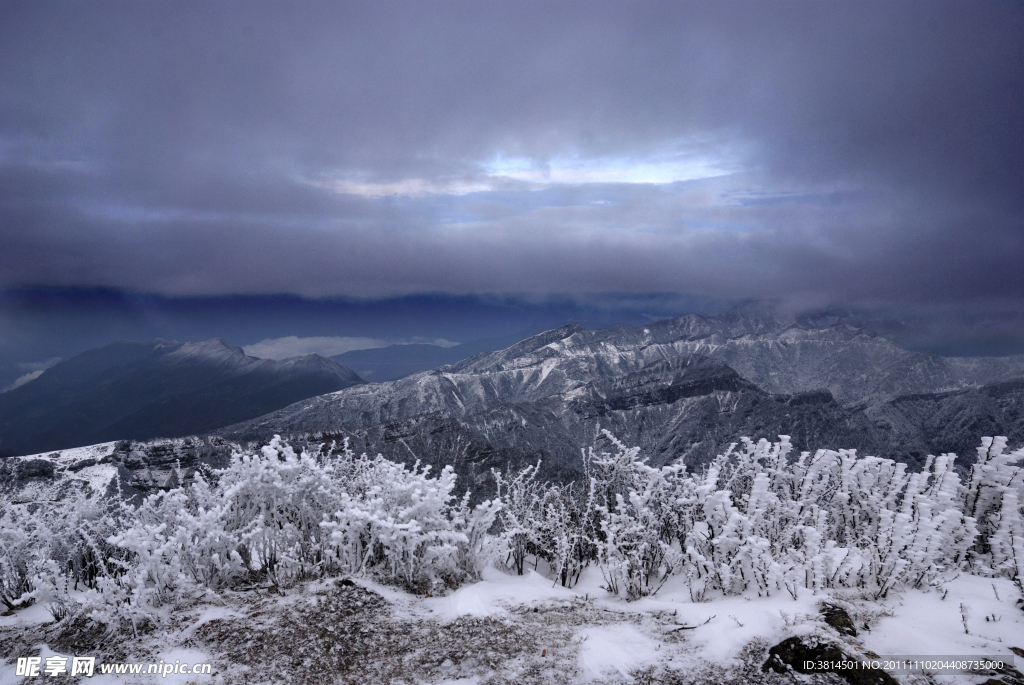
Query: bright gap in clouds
{"type": "Point", "coordinates": [658, 170]}
{"type": "Point", "coordinates": [410, 187]}
{"type": "Point", "coordinates": [692, 161]}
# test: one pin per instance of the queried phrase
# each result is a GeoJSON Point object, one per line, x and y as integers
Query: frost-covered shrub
{"type": "Point", "coordinates": [261, 520]}
{"type": "Point", "coordinates": [523, 527]}
{"type": "Point", "coordinates": [756, 518]}
{"type": "Point", "coordinates": [831, 520]}
{"type": "Point", "coordinates": [57, 554]}
{"type": "Point", "coordinates": [281, 516]}
{"type": "Point", "coordinates": [407, 526]}
{"type": "Point", "coordinates": [273, 503]}
{"type": "Point", "coordinates": [548, 521]}
{"type": "Point", "coordinates": [479, 548]}
{"type": "Point", "coordinates": [636, 519]}
{"type": "Point", "coordinates": [567, 533]}
{"type": "Point", "coordinates": [994, 497]}
{"type": "Point", "coordinates": [18, 556]}
{"type": "Point", "coordinates": [178, 546]}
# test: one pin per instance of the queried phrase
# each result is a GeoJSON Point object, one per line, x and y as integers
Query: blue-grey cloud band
{"type": "Point", "coordinates": [840, 151]}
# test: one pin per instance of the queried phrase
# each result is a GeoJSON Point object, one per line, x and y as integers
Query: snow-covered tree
{"type": "Point", "coordinates": [994, 497]}
{"type": "Point", "coordinates": [636, 520]}
{"type": "Point", "coordinates": [755, 519]}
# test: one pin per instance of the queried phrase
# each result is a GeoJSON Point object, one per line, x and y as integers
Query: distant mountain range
{"type": "Point", "coordinates": [136, 391]}
{"type": "Point", "coordinates": [679, 388]}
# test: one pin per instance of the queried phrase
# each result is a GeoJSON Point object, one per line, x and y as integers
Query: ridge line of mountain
{"type": "Point", "coordinates": [679, 388]}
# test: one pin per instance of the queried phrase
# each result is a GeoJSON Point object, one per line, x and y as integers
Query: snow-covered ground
{"type": "Point", "coordinates": [908, 623]}
{"type": "Point", "coordinates": [525, 629]}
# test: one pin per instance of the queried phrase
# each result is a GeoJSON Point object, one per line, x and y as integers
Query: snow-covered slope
{"type": "Point", "coordinates": [48, 477]}
{"type": "Point", "coordinates": [507, 629]}
{"type": "Point", "coordinates": [777, 355]}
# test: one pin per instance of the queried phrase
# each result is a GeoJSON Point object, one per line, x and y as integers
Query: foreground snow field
{"type": "Point", "coordinates": [323, 567]}
{"type": "Point", "coordinates": [525, 629]}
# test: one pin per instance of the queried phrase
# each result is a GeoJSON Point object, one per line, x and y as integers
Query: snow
{"type": "Point", "coordinates": [211, 613]}
{"type": "Point", "coordinates": [611, 650]}
{"type": "Point", "coordinates": [926, 624]}
{"type": "Point", "coordinates": [68, 457]}
{"type": "Point", "coordinates": [645, 633]}
{"type": "Point", "coordinates": [97, 476]}
{"type": "Point", "coordinates": [24, 618]}
{"type": "Point", "coordinates": [921, 622]}
{"type": "Point", "coordinates": [491, 596]}
{"type": "Point", "coordinates": [546, 368]}
{"type": "Point", "coordinates": [735, 621]}
{"type": "Point", "coordinates": [622, 646]}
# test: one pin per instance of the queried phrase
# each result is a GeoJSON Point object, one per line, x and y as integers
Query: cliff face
{"type": "Point", "coordinates": [125, 468]}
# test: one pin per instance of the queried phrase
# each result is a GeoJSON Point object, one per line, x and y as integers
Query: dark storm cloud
{"type": "Point", "coordinates": [864, 152]}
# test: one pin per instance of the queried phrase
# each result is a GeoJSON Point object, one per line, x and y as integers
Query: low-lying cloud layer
{"type": "Point", "coordinates": [325, 346]}
{"type": "Point", "coordinates": [293, 346]}
{"type": "Point", "coordinates": [35, 370]}
{"type": "Point", "coordinates": [813, 152]}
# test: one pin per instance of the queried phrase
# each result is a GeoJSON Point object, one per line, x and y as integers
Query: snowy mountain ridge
{"type": "Point", "coordinates": [678, 388]}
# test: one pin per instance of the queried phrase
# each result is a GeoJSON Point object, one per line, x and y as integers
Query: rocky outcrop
{"type": "Point", "coordinates": [812, 655]}
{"type": "Point", "coordinates": [127, 469]}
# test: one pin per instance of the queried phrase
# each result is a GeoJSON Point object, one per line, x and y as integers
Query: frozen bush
{"type": "Point", "coordinates": [406, 526]}
{"type": "Point", "coordinates": [18, 556]}
{"type": "Point", "coordinates": [758, 519]}
{"type": "Point", "coordinates": [548, 521]}
{"type": "Point", "coordinates": [56, 553]}
{"type": "Point", "coordinates": [281, 516]}
{"type": "Point", "coordinates": [755, 519]}
{"type": "Point", "coordinates": [523, 527]}
{"type": "Point", "coordinates": [994, 496]}
{"type": "Point", "coordinates": [634, 506]}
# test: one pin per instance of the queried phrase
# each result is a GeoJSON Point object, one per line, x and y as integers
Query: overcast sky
{"type": "Point", "coordinates": [813, 151]}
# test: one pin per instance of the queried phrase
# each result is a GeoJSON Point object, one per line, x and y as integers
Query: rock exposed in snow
{"type": "Point", "coordinates": [124, 468]}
